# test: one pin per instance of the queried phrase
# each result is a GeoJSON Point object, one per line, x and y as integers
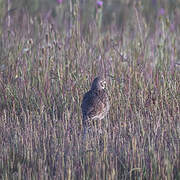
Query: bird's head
{"type": "Point", "coordinates": [99, 84]}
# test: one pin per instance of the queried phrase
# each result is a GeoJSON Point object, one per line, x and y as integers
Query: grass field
{"type": "Point", "coordinates": [43, 76]}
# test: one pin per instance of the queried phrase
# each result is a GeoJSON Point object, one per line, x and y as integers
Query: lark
{"type": "Point", "coordinates": [95, 104]}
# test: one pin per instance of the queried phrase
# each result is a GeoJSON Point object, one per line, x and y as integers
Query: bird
{"type": "Point", "coordinates": [95, 103]}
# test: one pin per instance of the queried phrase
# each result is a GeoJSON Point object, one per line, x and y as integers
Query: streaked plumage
{"type": "Point", "coordinates": [95, 104]}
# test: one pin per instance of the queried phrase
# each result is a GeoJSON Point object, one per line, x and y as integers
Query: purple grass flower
{"type": "Point", "coordinates": [59, 1]}
{"type": "Point", "coordinates": [161, 12]}
{"type": "Point", "coordinates": [99, 3]}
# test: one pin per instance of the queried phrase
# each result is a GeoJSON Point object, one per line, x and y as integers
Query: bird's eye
{"type": "Point", "coordinates": [103, 84]}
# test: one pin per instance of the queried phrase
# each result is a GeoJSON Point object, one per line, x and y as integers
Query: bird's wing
{"type": "Point", "coordinates": [91, 105]}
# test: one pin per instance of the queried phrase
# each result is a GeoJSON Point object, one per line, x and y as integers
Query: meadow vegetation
{"type": "Point", "coordinates": [44, 73]}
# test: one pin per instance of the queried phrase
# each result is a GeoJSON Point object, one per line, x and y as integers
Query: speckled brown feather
{"type": "Point", "coordinates": [95, 105]}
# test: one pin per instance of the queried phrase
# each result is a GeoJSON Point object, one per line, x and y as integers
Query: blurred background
{"type": "Point", "coordinates": [113, 13]}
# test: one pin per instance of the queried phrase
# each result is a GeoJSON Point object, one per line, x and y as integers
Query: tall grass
{"type": "Point", "coordinates": [42, 82]}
